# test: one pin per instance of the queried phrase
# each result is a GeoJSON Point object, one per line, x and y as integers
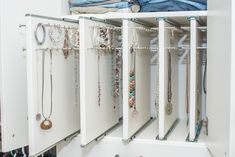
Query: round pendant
{"type": "Point", "coordinates": [38, 116]}
{"type": "Point", "coordinates": [169, 108]}
{"type": "Point", "coordinates": [135, 113]}
{"type": "Point", "coordinates": [46, 124]}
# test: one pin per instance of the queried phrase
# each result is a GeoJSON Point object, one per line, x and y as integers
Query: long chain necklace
{"type": "Point", "coordinates": [46, 124]}
{"type": "Point", "coordinates": [117, 71]}
{"type": "Point", "coordinates": [99, 85]}
{"type": "Point", "coordinates": [198, 87]}
{"type": "Point", "coordinates": [132, 83]}
{"type": "Point", "coordinates": [187, 88]}
{"type": "Point", "coordinates": [66, 44]}
{"type": "Point", "coordinates": [169, 106]}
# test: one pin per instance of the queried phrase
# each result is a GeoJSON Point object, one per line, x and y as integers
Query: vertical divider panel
{"type": "Point", "coordinates": [134, 120]}
{"type": "Point", "coordinates": [96, 66]}
{"type": "Point", "coordinates": [60, 93]}
{"type": "Point", "coordinates": [82, 28]}
{"type": "Point", "coordinates": [193, 77]}
{"type": "Point", "coordinates": [126, 56]}
{"type": "Point", "coordinates": [166, 121]}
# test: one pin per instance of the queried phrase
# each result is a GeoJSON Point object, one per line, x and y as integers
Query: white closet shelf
{"type": "Point", "coordinates": [142, 15]}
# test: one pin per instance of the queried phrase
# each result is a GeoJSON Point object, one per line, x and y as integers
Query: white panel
{"type": "Point", "coordinates": [166, 121]}
{"type": "Point", "coordinates": [95, 119]}
{"type": "Point", "coordinates": [65, 111]}
{"type": "Point", "coordinates": [193, 78]}
{"type": "Point", "coordinates": [132, 121]}
{"type": "Point", "coordinates": [232, 97]}
{"type": "Point", "coordinates": [219, 76]}
{"type": "Point", "coordinates": [12, 79]}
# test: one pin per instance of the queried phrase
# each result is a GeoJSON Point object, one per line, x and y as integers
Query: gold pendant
{"type": "Point", "coordinates": [135, 113]}
{"type": "Point", "coordinates": [46, 124]}
{"type": "Point", "coordinates": [169, 108]}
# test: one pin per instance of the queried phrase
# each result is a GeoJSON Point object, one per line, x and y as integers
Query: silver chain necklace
{"type": "Point", "coordinates": [46, 124]}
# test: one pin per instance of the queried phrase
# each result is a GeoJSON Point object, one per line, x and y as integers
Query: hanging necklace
{"type": "Point", "coordinates": [187, 88]}
{"type": "Point", "coordinates": [46, 124]}
{"type": "Point", "coordinates": [66, 44]}
{"type": "Point", "coordinates": [132, 82]}
{"type": "Point", "coordinates": [99, 85]}
{"type": "Point", "coordinates": [117, 71]}
{"type": "Point", "coordinates": [169, 106]}
{"type": "Point", "coordinates": [198, 86]}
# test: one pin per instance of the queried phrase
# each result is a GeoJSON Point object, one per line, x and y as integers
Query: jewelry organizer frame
{"type": "Point", "coordinates": [65, 72]}
{"type": "Point", "coordinates": [194, 40]}
{"type": "Point", "coordinates": [167, 122]}
{"type": "Point", "coordinates": [132, 124]}
{"type": "Point", "coordinates": [96, 120]}
{"type": "Point", "coordinates": [90, 134]}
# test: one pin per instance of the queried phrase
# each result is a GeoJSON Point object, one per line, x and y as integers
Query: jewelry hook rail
{"type": "Point", "coordinates": [56, 49]}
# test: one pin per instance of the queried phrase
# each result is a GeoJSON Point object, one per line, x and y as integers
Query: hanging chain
{"type": "Point", "coordinates": [187, 87]}
{"type": "Point", "coordinates": [169, 106]}
{"type": "Point", "coordinates": [99, 85]}
{"type": "Point", "coordinates": [46, 123]}
{"type": "Point", "coordinates": [66, 44]}
{"type": "Point", "coordinates": [169, 93]}
{"type": "Point", "coordinates": [132, 83]}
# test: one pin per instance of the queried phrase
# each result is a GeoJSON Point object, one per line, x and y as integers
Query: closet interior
{"type": "Point", "coordinates": [135, 77]}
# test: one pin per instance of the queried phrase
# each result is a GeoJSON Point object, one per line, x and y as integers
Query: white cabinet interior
{"type": "Point", "coordinates": [166, 47]}
{"type": "Point", "coordinates": [161, 88]}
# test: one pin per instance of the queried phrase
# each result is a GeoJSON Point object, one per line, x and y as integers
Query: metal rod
{"type": "Point", "coordinates": [57, 49]}
{"type": "Point", "coordinates": [43, 151]}
{"type": "Point", "coordinates": [106, 21]}
{"type": "Point", "coordinates": [100, 137]}
{"type": "Point", "coordinates": [108, 27]}
{"type": "Point", "coordinates": [63, 27]}
{"type": "Point", "coordinates": [139, 130]}
{"type": "Point", "coordinates": [169, 131]}
{"type": "Point", "coordinates": [52, 18]}
{"type": "Point", "coordinates": [144, 29]}
{"type": "Point", "coordinates": [141, 22]}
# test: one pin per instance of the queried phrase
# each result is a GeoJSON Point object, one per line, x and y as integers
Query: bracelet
{"type": "Point", "coordinates": [41, 26]}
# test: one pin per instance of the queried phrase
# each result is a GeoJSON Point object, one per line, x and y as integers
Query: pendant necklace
{"type": "Point", "coordinates": [46, 124]}
{"type": "Point", "coordinates": [169, 106]}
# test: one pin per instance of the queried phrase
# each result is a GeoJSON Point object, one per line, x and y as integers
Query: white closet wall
{"type": "Point", "coordinates": [232, 116]}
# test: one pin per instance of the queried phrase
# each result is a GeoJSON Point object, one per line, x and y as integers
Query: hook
{"type": "Point", "coordinates": [20, 25]}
